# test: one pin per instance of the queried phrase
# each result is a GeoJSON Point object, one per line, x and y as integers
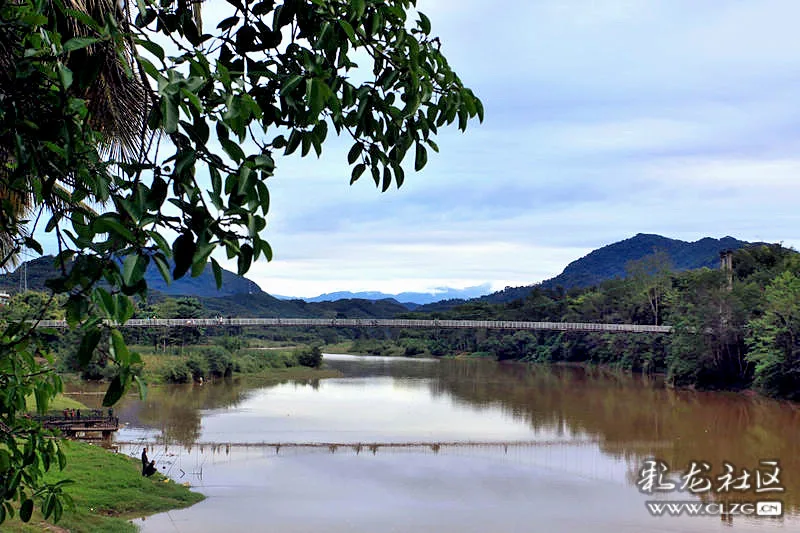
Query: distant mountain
{"type": "Point", "coordinates": [265, 306]}
{"type": "Point", "coordinates": [37, 271]}
{"type": "Point", "coordinates": [203, 285]}
{"type": "Point", "coordinates": [609, 261]}
{"type": "Point", "coordinates": [408, 299]}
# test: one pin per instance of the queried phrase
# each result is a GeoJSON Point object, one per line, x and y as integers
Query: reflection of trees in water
{"type": "Point", "coordinates": [636, 417]}
{"type": "Point", "coordinates": [176, 410]}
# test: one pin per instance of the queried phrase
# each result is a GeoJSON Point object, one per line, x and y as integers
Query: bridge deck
{"type": "Point", "coordinates": [382, 323]}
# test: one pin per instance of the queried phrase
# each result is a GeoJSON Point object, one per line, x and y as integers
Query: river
{"type": "Point", "coordinates": [399, 445]}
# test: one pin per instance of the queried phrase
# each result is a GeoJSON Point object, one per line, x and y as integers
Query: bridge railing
{"type": "Point", "coordinates": [382, 323]}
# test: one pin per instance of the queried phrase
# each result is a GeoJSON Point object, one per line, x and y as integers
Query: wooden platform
{"type": "Point", "coordinates": [85, 427]}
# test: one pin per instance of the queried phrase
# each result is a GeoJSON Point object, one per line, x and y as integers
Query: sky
{"type": "Point", "coordinates": [603, 120]}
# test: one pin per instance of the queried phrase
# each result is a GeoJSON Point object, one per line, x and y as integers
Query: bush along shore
{"type": "Point", "coordinates": [107, 491]}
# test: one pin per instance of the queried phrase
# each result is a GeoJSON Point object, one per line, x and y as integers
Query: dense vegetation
{"type": "Point", "coordinates": [746, 334]}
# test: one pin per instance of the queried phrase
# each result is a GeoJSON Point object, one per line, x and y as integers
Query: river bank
{"type": "Point", "coordinates": [108, 491]}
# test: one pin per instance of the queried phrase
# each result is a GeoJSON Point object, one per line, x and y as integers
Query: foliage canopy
{"type": "Point", "coordinates": [134, 136]}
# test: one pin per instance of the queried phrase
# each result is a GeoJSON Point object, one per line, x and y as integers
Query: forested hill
{"type": "Point", "coordinates": [239, 296]}
{"type": "Point", "coordinates": [41, 269]}
{"type": "Point", "coordinates": [609, 262]}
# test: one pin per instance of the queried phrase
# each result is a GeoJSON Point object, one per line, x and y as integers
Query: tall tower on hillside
{"type": "Point", "coordinates": [726, 265]}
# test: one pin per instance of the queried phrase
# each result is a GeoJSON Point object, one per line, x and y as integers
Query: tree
{"type": "Point", "coordinates": [650, 276]}
{"type": "Point", "coordinates": [774, 339]}
{"type": "Point", "coordinates": [191, 176]}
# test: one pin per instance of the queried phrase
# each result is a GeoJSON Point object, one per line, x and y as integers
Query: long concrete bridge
{"type": "Point", "coordinates": [380, 323]}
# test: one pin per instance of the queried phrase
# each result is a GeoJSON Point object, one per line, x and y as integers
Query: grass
{"type": "Point", "coordinates": [59, 403]}
{"type": "Point", "coordinates": [269, 363]}
{"type": "Point", "coordinates": [108, 491]}
{"type": "Point", "coordinates": [345, 347]}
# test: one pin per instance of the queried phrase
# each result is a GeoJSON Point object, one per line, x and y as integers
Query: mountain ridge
{"type": "Point", "coordinates": [409, 299]}
{"type": "Point", "coordinates": [242, 296]}
{"type": "Point", "coordinates": [609, 262]}
{"type": "Point", "coordinates": [35, 272]}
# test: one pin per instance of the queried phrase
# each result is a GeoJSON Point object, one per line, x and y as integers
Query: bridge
{"type": "Point", "coordinates": [380, 323]}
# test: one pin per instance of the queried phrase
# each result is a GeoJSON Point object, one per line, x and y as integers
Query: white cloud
{"type": "Point", "coordinates": [603, 120]}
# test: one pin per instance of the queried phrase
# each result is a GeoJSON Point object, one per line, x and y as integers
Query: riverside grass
{"type": "Point", "coordinates": [109, 490]}
{"type": "Point", "coordinates": [59, 403]}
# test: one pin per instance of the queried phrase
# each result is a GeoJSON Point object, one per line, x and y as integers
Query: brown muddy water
{"type": "Point", "coordinates": [400, 445]}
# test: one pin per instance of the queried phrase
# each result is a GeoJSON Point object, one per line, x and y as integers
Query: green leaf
{"type": "Point", "coordinates": [233, 150]}
{"type": "Point", "coordinates": [266, 249]}
{"type": "Point", "coordinates": [291, 84]}
{"type": "Point", "coordinates": [354, 152]}
{"type": "Point", "coordinates": [245, 259]}
{"type": "Point", "coordinates": [88, 344]}
{"type": "Point", "coordinates": [358, 7]}
{"type": "Point", "coordinates": [217, 272]}
{"type": "Point", "coordinates": [119, 351]}
{"type": "Point", "coordinates": [387, 179]}
{"type": "Point", "coordinates": [115, 391]}
{"type": "Point", "coordinates": [182, 252]}
{"type": "Point", "coordinates": [163, 268]}
{"type": "Point", "coordinates": [357, 171]}
{"type": "Point", "coordinates": [142, 386]}
{"type": "Point", "coordinates": [109, 223]}
{"type": "Point", "coordinates": [26, 510]}
{"type": "Point", "coordinates": [200, 258]}
{"type": "Point", "coordinates": [421, 157]}
{"type": "Point", "coordinates": [294, 141]}
{"type": "Point", "coordinates": [185, 161]}
{"type": "Point", "coordinates": [76, 43]}
{"type": "Point", "coordinates": [151, 47]}
{"type": "Point", "coordinates": [34, 245]}
{"type": "Point", "coordinates": [348, 30]}
{"type": "Point", "coordinates": [161, 242]}
{"type": "Point", "coordinates": [133, 268]}
{"type": "Point", "coordinates": [170, 113]}
{"type": "Point", "coordinates": [317, 95]}
{"type": "Point", "coordinates": [65, 75]}
{"type": "Point", "coordinates": [125, 309]}
{"type": "Point", "coordinates": [424, 23]}
{"type": "Point", "coordinates": [105, 301]}
{"type": "Point", "coordinates": [49, 503]}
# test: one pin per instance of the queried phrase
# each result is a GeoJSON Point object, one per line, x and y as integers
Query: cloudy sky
{"type": "Point", "coordinates": [603, 120]}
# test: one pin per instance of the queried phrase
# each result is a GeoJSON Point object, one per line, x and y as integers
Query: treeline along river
{"type": "Point", "coordinates": [454, 445]}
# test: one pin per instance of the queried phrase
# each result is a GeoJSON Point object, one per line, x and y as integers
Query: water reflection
{"type": "Point", "coordinates": [637, 417]}
{"type": "Point", "coordinates": [630, 418]}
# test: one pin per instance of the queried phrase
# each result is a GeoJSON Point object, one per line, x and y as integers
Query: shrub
{"type": "Point", "coordinates": [178, 372]}
{"type": "Point", "coordinates": [218, 361]}
{"type": "Point", "coordinates": [310, 357]}
{"type": "Point", "coordinates": [198, 366]}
